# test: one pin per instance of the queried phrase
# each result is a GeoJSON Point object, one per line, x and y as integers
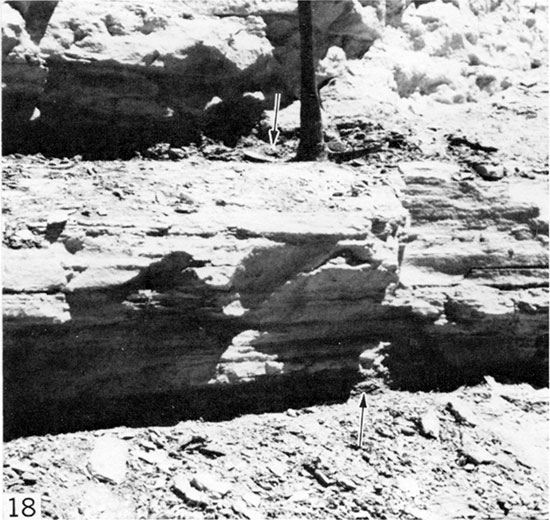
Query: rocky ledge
{"type": "Point", "coordinates": [475, 274]}
{"type": "Point", "coordinates": [199, 288]}
{"type": "Point", "coordinates": [110, 80]}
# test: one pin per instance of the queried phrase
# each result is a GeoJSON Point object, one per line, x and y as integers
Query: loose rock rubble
{"type": "Point", "coordinates": [306, 463]}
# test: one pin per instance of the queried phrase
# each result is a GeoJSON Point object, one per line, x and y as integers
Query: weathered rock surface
{"type": "Point", "coordinates": [284, 284]}
{"type": "Point", "coordinates": [111, 79]}
{"type": "Point", "coordinates": [479, 290]}
{"type": "Point", "coordinates": [135, 298]}
{"type": "Point", "coordinates": [123, 77]}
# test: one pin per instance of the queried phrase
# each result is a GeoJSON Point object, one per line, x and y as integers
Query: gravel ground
{"type": "Point", "coordinates": [488, 460]}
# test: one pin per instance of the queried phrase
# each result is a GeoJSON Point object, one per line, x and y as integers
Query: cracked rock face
{"type": "Point", "coordinates": [131, 300]}
{"type": "Point", "coordinates": [154, 301]}
{"type": "Point", "coordinates": [122, 76]}
{"type": "Point", "coordinates": [478, 289]}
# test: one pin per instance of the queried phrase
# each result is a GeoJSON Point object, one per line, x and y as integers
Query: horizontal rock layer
{"type": "Point", "coordinates": [203, 277]}
{"type": "Point", "coordinates": [475, 273]}
{"type": "Point", "coordinates": [184, 282]}
{"type": "Point", "coordinates": [110, 80]}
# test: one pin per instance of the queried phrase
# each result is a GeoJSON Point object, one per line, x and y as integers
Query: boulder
{"type": "Point", "coordinates": [108, 459]}
{"type": "Point", "coordinates": [429, 424]}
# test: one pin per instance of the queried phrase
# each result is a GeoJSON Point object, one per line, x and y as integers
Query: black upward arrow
{"type": "Point", "coordinates": [362, 405]}
{"type": "Point", "coordinates": [273, 132]}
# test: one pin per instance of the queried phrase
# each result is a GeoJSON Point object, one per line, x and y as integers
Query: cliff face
{"type": "Point", "coordinates": [124, 76]}
{"type": "Point", "coordinates": [141, 290]}
{"type": "Point", "coordinates": [185, 283]}
{"type": "Point", "coordinates": [108, 79]}
{"type": "Point", "coordinates": [475, 274]}
{"type": "Point", "coordinates": [194, 288]}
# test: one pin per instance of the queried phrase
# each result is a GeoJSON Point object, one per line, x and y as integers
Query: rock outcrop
{"type": "Point", "coordinates": [144, 290]}
{"type": "Point", "coordinates": [126, 76]}
{"type": "Point", "coordinates": [475, 275]}
{"type": "Point", "coordinates": [183, 285]}
{"type": "Point", "coordinates": [24, 75]}
{"type": "Point", "coordinates": [107, 80]}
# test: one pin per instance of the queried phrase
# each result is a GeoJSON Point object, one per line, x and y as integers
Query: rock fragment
{"type": "Point", "coordinates": [192, 496]}
{"type": "Point", "coordinates": [212, 450]}
{"type": "Point", "coordinates": [148, 445]}
{"type": "Point", "coordinates": [242, 509]}
{"type": "Point", "coordinates": [473, 453]}
{"type": "Point", "coordinates": [20, 466]}
{"type": "Point", "coordinates": [176, 154]}
{"type": "Point", "coordinates": [108, 459]}
{"type": "Point", "coordinates": [322, 478]}
{"type": "Point", "coordinates": [252, 499]}
{"type": "Point", "coordinates": [29, 477]}
{"type": "Point", "coordinates": [406, 429]}
{"type": "Point", "coordinates": [210, 484]}
{"type": "Point", "coordinates": [462, 412]}
{"type": "Point", "coordinates": [489, 172]}
{"type": "Point", "coordinates": [252, 156]}
{"type": "Point", "coordinates": [193, 442]}
{"type": "Point", "coordinates": [347, 484]}
{"type": "Point", "coordinates": [158, 458]}
{"type": "Point", "coordinates": [383, 431]}
{"type": "Point", "coordinates": [300, 496]}
{"type": "Point", "coordinates": [429, 424]}
{"type": "Point", "coordinates": [276, 468]}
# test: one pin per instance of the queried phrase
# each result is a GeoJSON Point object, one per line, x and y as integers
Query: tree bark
{"type": "Point", "coordinates": [311, 145]}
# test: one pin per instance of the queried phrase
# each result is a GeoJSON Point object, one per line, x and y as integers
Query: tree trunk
{"type": "Point", "coordinates": [311, 145]}
{"type": "Point", "coordinates": [36, 14]}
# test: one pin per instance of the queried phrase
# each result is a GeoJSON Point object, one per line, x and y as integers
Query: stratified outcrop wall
{"type": "Point", "coordinates": [122, 76]}
{"type": "Point", "coordinates": [108, 79]}
{"type": "Point", "coordinates": [475, 275]}
{"type": "Point", "coordinates": [145, 288]}
{"type": "Point", "coordinates": [174, 282]}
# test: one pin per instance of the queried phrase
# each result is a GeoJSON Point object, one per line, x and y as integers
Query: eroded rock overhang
{"type": "Point", "coordinates": [195, 276]}
{"type": "Point", "coordinates": [109, 80]}
{"type": "Point", "coordinates": [186, 282]}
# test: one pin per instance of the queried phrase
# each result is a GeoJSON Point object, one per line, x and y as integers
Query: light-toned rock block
{"type": "Point", "coordinates": [32, 270]}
